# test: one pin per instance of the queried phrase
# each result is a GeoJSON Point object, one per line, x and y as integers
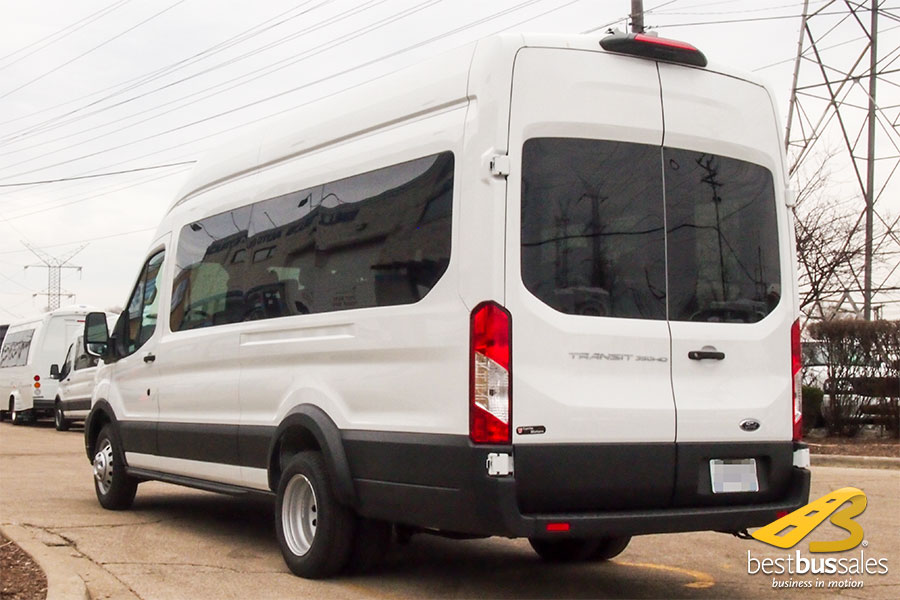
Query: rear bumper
{"type": "Point", "coordinates": [440, 482]}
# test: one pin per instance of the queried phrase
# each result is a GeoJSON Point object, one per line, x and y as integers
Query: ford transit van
{"type": "Point", "coordinates": [540, 287]}
{"type": "Point", "coordinates": [29, 349]}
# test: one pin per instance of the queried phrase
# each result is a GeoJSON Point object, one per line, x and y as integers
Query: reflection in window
{"type": "Point", "coordinates": [376, 239]}
{"type": "Point", "coordinates": [722, 238]}
{"type": "Point", "coordinates": [15, 348]}
{"type": "Point", "coordinates": [592, 227]}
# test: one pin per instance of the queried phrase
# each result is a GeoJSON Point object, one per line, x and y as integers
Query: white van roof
{"type": "Point", "coordinates": [469, 71]}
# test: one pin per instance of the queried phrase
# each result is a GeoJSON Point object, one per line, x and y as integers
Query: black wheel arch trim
{"type": "Point", "coordinates": [101, 413]}
{"type": "Point", "coordinates": [327, 435]}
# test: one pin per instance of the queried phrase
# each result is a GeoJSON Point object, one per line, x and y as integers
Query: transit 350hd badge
{"type": "Point", "coordinates": [794, 570]}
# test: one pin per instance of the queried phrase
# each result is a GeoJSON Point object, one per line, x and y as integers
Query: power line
{"type": "Point", "coordinates": [85, 53]}
{"type": "Point", "coordinates": [137, 82]}
{"type": "Point", "coordinates": [77, 177]}
{"type": "Point", "coordinates": [62, 33]}
{"type": "Point", "coordinates": [308, 84]}
{"type": "Point", "coordinates": [93, 239]}
{"type": "Point", "coordinates": [389, 55]}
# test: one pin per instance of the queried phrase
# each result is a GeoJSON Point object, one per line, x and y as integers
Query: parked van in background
{"type": "Point", "coordinates": [540, 287]}
{"type": "Point", "coordinates": [76, 385]}
{"type": "Point", "coordinates": [27, 391]}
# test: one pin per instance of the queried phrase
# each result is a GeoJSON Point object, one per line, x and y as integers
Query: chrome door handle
{"type": "Point", "coordinates": [706, 354]}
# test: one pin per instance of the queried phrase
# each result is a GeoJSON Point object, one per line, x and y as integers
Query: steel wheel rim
{"type": "Point", "coordinates": [58, 416]}
{"type": "Point", "coordinates": [299, 515]}
{"type": "Point", "coordinates": [103, 467]}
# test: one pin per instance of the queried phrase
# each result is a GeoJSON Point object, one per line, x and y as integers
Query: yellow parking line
{"type": "Point", "coordinates": [701, 580]}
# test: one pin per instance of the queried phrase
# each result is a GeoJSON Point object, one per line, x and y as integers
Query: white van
{"type": "Point", "coordinates": [29, 348]}
{"type": "Point", "coordinates": [75, 385]}
{"type": "Point", "coordinates": [540, 287]}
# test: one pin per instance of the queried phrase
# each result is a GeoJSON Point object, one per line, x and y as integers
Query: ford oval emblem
{"type": "Point", "coordinates": [749, 424]}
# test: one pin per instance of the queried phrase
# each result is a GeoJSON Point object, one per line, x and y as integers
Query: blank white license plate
{"type": "Point", "coordinates": [733, 475]}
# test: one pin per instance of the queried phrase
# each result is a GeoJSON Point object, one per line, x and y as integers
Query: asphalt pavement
{"type": "Point", "coordinates": [181, 543]}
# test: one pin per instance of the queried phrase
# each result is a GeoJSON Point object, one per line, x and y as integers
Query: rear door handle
{"type": "Point", "coordinates": [150, 357]}
{"type": "Point", "coordinates": [706, 354]}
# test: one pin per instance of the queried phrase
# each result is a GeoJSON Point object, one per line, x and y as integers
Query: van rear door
{"type": "Point", "coordinates": [585, 284]}
{"type": "Point", "coordinates": [730, 293]}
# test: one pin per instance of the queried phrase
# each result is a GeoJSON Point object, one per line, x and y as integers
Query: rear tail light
{"type": "Point", "coordinates": [490, 370]}
{"type": "Point", "coordinates": [797, 389]}
{"type": "Point", "coordinates": [37, 382]}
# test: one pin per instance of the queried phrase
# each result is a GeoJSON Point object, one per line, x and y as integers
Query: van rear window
{"type": "Point", "coordinates": [638, 231]}
{"type": "Point", "coordinates": [376, 239]}
{"type": "Point", "coordinates": [15, 348]}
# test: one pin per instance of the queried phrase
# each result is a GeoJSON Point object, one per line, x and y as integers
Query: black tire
{"type": "Point", "coordinates": [373, 538]}
{"type": "Point", "coordinates": [563, 551]}
{"type": "Point", "coordinates": [314, 531]}
{"type": "Point", "coordinates": [59, 418]}
{"type": "Point", "coordinates": [15, 416]}
{"type": "Point", "coordinates": [114, 487]}
{"type": "Point", "coordinates": [608, 548]}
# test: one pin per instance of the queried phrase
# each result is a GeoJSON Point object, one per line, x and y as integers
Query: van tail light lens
{"type": "Point", "coordinates": [797, 387]}
{"type": "Point", "coordinates": [657, 48]}
{"type": "Point", "coordinates": [37, 377]}
{"type": "Point", "coordinates": [490, 370]}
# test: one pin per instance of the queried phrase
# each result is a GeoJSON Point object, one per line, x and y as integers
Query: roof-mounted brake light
{"type": "Point", "coordinates": [648, 46]}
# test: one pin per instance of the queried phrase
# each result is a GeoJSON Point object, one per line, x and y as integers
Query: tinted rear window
{"type": "Point", "coordinates": [600, 220]}
{"type": "Point", "coordinates": [15, 348]}
{"type": "Point", "coordinates": [592, 227]}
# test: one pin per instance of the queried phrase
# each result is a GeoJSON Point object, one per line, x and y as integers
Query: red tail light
{"type": "Point", "coordinates": [490, 370]}
{"type": "Point", "coordinates": [37, 377]}
{"type": "Point", "coordinates": [797, 389]}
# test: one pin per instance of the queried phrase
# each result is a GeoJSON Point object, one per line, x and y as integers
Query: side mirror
{"type": "Point", "coordinates": [54, 371]}
{"type": "Point", "coordinates": [96, 334]}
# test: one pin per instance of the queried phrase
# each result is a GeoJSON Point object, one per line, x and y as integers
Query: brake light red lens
{"type": "Point", "coordinates": [37, 377]}
{"type": "Point", "coordinates": [656, 48]}
{"type": "Point", "coordinates": [556, 527]}
{"type": "Point", "coordinates": [797, 378]}
{"type": "Point", "coordinates": [649, 39]}
{"type": "Point", "coordinates": [490, 394]}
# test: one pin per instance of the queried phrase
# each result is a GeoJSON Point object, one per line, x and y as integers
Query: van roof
{"type": "Point", "coordinates": [444, 80]}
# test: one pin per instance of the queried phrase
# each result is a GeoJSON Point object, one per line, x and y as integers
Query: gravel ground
{"type": "Point", "coordinates": [20, 577]}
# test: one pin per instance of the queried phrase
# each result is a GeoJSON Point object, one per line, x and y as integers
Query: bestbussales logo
{"type": "Point", "coordinates": [840, 507]}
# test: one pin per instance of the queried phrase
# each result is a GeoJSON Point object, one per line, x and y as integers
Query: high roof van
{"type": "Point", "coordinates": [540, 287]}
{"type": "Point", "coordinates": [29, 349]}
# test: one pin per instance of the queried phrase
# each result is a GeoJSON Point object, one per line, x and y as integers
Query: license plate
{"type": "Point", "coordinates": [733, 475]}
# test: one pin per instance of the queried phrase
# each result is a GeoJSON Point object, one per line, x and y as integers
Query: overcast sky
{"type": "Point", "coordinates": [97, 86]}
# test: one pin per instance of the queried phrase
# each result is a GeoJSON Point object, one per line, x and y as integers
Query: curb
{"type": "Point", "coordinates": [863, 462]}
{"type": "Point", "coordinates": [62, 582]}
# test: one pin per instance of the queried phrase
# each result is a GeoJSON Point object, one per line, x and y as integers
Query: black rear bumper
{"type": "Point", "coordinates": [440, 482]}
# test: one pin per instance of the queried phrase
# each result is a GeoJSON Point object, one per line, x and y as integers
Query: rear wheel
{"type": "Point", "coordinates": [114, 487]}
{"type": "Point", "coordinates": [577, 550]}
{"type": "Point", "coordinates": [59, 418]}
{"type": "Point", "coordinates": [314, 531]}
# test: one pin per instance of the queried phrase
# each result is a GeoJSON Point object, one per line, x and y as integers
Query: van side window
{"type": "Point", "coordinates": [66, 367]}
{"type": "Point", "coordinates": [722, 238]}
{"type": "Point", "coordinates": [592, 234]}
{"type": "Point", "coordinates": [376, 239]}
{"type": "Point", "coordinates": [142, 310]}
{"type": "Point", "coordinates": [82, 359]}
{"type": "Point", "coordinates": [15, 348]}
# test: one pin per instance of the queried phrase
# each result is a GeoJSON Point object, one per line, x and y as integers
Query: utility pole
{"type": "Point", "coordinates": [54, 266]}
{"type": "Point", "coordinates": [637, 16]}
{"type": "Point", "coordinates": [870, 167]}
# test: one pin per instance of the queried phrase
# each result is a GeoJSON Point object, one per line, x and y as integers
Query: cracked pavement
{"type": "Point", "coordinates": [178, 543]}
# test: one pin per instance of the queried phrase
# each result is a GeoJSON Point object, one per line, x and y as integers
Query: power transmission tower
{"type": "Point", "coordinates": [54, 266]}
{"type": "Point", "coordinates": [840, 66]}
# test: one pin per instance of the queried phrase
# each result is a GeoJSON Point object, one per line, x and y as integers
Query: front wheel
{"type": "Point", "coordinates": [114, 487]}
{"type": "Point", "coordinates": [59, 418]}
{"type": "Point", "coordinates": [314, 531]}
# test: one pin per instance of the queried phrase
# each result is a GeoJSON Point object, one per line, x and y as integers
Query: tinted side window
{"type": "Point", "coordinates": [15, 348]}
{"type": "Point", "coordinates": [142, 311]}
{"type": "Point", "coordinates": [376, 239]}
{"type": "Point", "coordinates": [722, 238]}
{"type": "Point", "coordinates": [592, 227]}
{"type": "Point", "coordinates": [83, 360]}
{"type": "Point", "coordinates": [66, 367]}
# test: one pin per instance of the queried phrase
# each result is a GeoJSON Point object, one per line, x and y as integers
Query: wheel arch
{"type": "Point", "coordinates": [101, 414]}
{"type": "Point", "coordinates": [308, 427]}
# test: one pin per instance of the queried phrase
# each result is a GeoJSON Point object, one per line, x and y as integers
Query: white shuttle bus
{"type": "Point", "coordinates": [540, 287]}
{"type": "Point", "coordinates": [30, 348]}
